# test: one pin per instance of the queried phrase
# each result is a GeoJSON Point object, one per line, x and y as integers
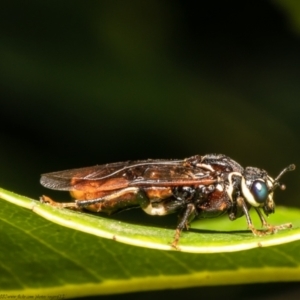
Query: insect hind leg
{"type": "Point", "coordinates": [110, 203]}
{"type": "Point", "coordinates": [116, 201]}
{"type": "Point", "coordinates": [71, 205]}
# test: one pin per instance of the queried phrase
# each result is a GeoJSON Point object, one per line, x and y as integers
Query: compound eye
{"type": "Point", "coordinates": [260, 191]}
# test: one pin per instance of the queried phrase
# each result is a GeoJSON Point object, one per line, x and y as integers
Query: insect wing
{"type": "Point", "coordinates": [123, 174]}
{"type": "Point", "coordinates": [172, 175]}
{"type": "Point", "coordinates": [63, 180]}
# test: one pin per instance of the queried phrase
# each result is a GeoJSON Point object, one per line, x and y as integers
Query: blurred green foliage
{"type": "Point", "coordinates": [292, 10]}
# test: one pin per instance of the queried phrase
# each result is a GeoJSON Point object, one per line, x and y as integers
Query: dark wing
{"type": "Point", "coordinates": [63, 180]}
{"type": "Point", "coordinates": [123, 174]}
{"type": "Point", "coordinates": [173, 175]}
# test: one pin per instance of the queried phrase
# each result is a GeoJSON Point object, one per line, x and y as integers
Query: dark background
{"type": "Point", "coordinates": [92, 82]}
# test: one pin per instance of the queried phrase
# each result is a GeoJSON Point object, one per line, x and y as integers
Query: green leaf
{"type": "Point", "coordinates": [41, 257]}
{"type": "Point", "coordinates": [205, 236]}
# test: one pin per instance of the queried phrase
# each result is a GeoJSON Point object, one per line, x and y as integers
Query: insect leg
{"type": "Point", "coordinates": [187, 216]}
{"type": "Point", "coordinates": [241, 203]}
{"type": "Point", "coordinates": [110, 203]}
{"type": "Point", "coordinates": [264, 223]}
{"type": "Point", "coordinates": [71, 205]}
{"type": "Point", "coordinates": [112, 196]}
{"type": "Point", "coordinates": [270, 228]}
{"type": "Point", "coordinates": [117, 201]}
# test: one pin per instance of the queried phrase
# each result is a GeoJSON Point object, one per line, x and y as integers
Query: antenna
{"type": "Point", "coordinates": [289, 168]}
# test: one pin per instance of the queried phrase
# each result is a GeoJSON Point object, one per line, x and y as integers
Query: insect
{"type": "Point", "coordinates": [196, 187]}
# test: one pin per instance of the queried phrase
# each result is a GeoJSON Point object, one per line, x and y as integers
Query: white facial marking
{"type": "Point", "coordinates": [247, 194]}
{"type": "Point", "coordinates": [270, 182]}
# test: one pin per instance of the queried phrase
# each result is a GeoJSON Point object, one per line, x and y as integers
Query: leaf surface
{"type": "Point", "coordinates": [38, 256]}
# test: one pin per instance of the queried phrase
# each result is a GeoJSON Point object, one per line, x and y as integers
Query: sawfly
{"type": "Point", "coordinates": [196, 187]}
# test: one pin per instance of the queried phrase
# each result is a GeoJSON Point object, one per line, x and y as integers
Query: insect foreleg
{"type": "Point", "coordinates": [264, 223]}
{"type": "Point", "coordinates": [270, 228]}
{"type": "Point", "coordinates": [241, 203]}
